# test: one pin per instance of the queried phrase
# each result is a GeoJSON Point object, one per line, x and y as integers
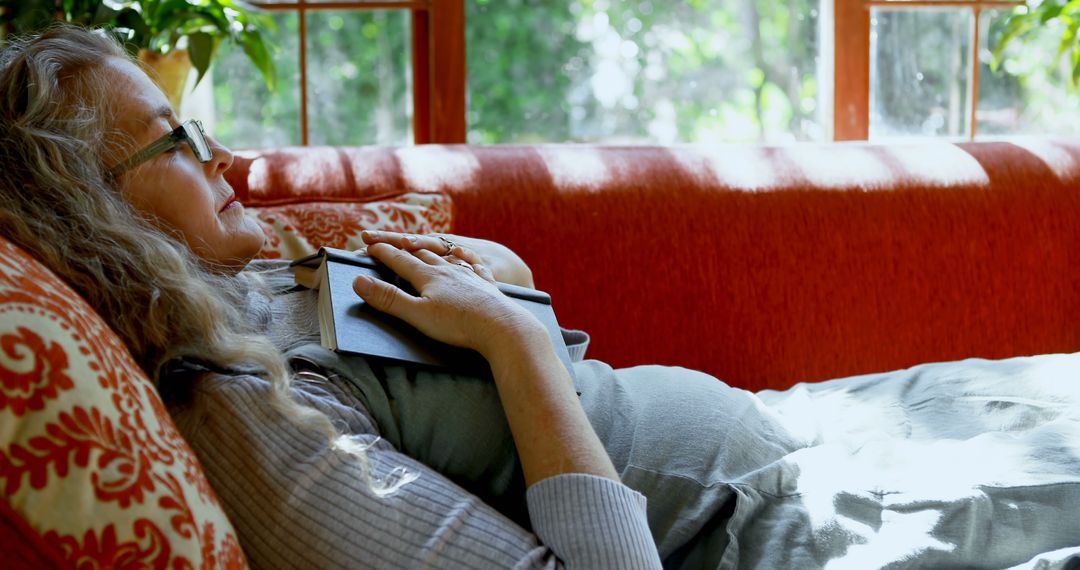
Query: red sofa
{"type": "Point", "coordinates": [764, 266]}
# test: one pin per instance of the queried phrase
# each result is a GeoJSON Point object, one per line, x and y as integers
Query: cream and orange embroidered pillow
{"type": "Point", "coordinates": [88, 455]}
{"type": "Point", "coordinates": [295, 230]}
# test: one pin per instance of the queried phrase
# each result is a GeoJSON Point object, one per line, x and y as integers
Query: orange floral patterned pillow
{"type": "Point", "coordinates": [89, 458]}
{"type": "Point", "coordinates": [296, 230]}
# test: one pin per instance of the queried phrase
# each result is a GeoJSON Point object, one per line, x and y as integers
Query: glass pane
{"type": "Point", "coordinates": [1030, 92]}
{"type": "Point", "coordinates": [402, 2]}
{"type": "Point", "coordinates": [359, 77]}
{"type": "Point", "coordinates": [234, 102]}
{"type": "Point", "coordinates": [920, 72]}
{"type": "Point", "coordinates": [339, 2]}
{"type": "Point", "coordinates": [643, 71]}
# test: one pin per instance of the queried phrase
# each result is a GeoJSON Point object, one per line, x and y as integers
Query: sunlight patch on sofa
{"type": "Point", "coordinates": [738, 166]}
{"type": "Point", "coordinates": [258, 172]}
{"type": "Point", "coordinates": [939, 164]}
{"type": "Point", "coordinates": [304, 168]}
{"type": "Point", "coordinates": [435, 168]}
{"type": "Point", "coordinates": [842, 166]}
{"type": "Point", "coordinates": [1063, 163]}
{"type": "Point", "coordinates": [574, 167]}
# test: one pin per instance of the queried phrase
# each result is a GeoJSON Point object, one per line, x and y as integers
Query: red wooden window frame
{"type": "Point", "coordinates": [851, 42]}
{"type": "Point", "coordinates": [439, 66]}
{"type": "Point", "coordinates": [438, 58]}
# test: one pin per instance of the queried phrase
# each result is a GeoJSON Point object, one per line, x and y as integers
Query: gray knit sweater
{"type": "Point", "coordinates": [297, 502]}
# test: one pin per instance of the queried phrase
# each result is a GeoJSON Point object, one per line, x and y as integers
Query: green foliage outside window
{"type": "Point", "coordinates": [159, 26]}
{"type": "Point", "coordinates": [1031, 60]}
{"type": "Point", "coordinates": [359, 83]}
{"type": "Point", "coordinates": [1026, 22]}
{"type": "Point", "coordinates": [635, 71]}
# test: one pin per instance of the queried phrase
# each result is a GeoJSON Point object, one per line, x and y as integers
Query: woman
{"type": "Point", "coordinates": [106, 186]}
{"type": "Point", "coordinates": [354, 463]}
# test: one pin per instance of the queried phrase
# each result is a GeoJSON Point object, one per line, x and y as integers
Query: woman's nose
{"type": "Point", "coordinates": [223, 157]}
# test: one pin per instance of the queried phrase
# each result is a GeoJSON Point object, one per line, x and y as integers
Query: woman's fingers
{"type": "Point", "coordinates": [413, 267]}
{"type": "Point", "coordinates": [393, 238]}
{"type": "Point", "coordinates": [505, 265]}
{"type": "Point", "coordinates": [457, 302]}
{"type": "Point", "coordinates": [410, 242]}
{"type": "Point", "coordinates": [409, 265]}
{"type": "Point", "coordinates": [484, 272]}
{"type": "Point", "coordinates": [406, 265]}
{"type": "Point", "coordinates": [429, 257]}
{"type": "Point", "coordinates": [465, 254]}
{"type": "Point", "coordinates": [386, 297]}
{"type": "Point", "coordinates": [462, 257]}
{"type": "Point", "coordinates": [416, 243]}
{"type": "Point", "coordinates": [413, 242]}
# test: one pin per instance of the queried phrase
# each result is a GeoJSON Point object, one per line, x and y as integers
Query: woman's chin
{"type": "Point", "coordinates": [251, 238]}
{"type": "Point", "coordinates": [240, 245]}
{"type": "Point", "coordinates": [251, 252]}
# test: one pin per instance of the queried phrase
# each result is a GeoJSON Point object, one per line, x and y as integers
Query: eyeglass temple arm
{"type": "Point", "coordinates": [138, 158]}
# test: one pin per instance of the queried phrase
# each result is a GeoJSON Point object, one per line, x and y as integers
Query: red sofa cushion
{"type": "Point", "coordinates": [92, 469]}
{"type": "Point", "coordinates": [327, 174]}
{"type": "Point", "coordinates": [296, 230]}
{"type": "Point", "coordinates": [305, 198]}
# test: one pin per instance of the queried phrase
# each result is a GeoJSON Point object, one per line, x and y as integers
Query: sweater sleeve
{"type": "Point", "coordinates": [577, 342]}
{"type": "Point", "coordinates": [567, 509]}
{"type": "Point", "coordinates": [298, 502]}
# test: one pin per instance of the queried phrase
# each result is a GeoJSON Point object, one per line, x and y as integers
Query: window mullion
{"type": "Point", "coordinates": [851, 74]}
{"type": "Point", "coordinates": [302, 18]}
{"type": "Point", "coordinates": [421, 60]}
{"type": "Point", "coordinates": [446, 58]}
{"type": "Point", "coordinates": [974, 91]}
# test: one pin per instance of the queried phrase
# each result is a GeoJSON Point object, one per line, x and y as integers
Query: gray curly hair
{"type": "Point", "coordinates": [58, 202]}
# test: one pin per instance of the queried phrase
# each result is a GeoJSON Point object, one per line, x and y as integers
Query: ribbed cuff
{"type": "Point", "coordinates": [577, 342]}
{"type": "Point", "coordinates": [592, 522]}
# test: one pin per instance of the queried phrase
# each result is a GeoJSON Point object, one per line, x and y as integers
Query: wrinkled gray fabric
{"type": "Point", "coordinates": [682, 438]}
{"type": "Point", "coordinates": [452, 423]}
{"type": "Point", "coordinates": [456, 425]}
{"type": "Point", "coordinates": [297, 502]}
{"type": "Point", "coordinates": [964, 464]}
{"type": "Point", "coordinates": [973, 464]}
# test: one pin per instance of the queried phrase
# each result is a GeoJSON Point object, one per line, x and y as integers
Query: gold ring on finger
{"type": "Point", "coordinates": [449, 245]}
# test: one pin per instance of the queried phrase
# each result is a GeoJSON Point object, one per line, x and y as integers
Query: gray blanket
{"type": "Point", "coordinates": [972, 464]}
{"type": "Point", "coordinates": [962, 464]}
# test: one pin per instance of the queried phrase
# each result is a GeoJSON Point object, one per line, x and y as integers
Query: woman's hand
{"type": "Point", "coordinates": [458, 303]}
{"type": "Point", "coordinates": [504, 264]}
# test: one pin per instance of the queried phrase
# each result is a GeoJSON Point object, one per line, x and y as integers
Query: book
{"type": "Point", "coordinates": [348, 324]}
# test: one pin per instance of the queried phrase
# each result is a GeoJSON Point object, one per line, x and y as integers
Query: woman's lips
{"type": "Point", "coordinates": [232, 202]}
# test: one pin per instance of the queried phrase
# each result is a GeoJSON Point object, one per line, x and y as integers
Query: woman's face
{"type": "Point", "coordinates": [185, 197]}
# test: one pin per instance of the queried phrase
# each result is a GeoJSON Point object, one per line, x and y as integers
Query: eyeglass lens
{"type": "Point", "coordinates": [197, 139]}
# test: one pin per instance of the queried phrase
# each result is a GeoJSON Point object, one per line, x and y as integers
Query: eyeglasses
{"type": "Point", "coordinates": [190, 132]}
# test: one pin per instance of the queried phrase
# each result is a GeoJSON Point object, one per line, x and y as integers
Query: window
{"type": "Point", "coordinates": [1030, 93]}
{"type": "Point", "coordinates": [940, 83]}
{"type": "Point", "coordinates": [639, 71]}
{"type": "Point", "coordinates": [348, 72]}
{"type": "Point", "coordinates": [644, 71]}
{"type": "Point", "coordinates": [920, 71]}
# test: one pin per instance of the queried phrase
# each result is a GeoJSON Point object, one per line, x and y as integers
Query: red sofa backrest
{"type": "Point", "coordinates": [764, 266]}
